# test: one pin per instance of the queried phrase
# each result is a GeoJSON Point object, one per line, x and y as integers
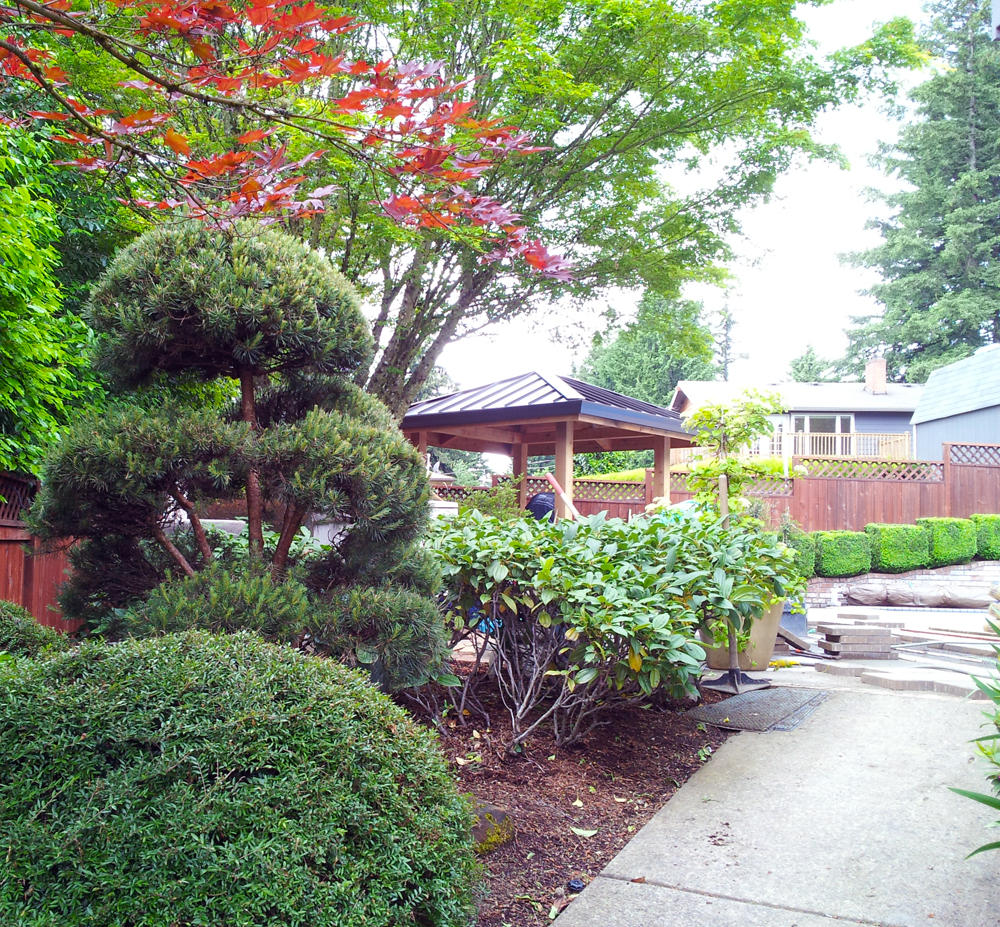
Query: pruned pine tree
{"type": "Point", "coordinates": [300, 441]}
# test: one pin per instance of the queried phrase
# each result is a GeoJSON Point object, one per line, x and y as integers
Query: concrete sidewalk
{"type": "Point", "coordinates": [847, 817]}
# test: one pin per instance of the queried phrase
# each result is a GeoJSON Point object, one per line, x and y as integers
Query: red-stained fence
{"type": "Point", "coordinates": [28, 576]}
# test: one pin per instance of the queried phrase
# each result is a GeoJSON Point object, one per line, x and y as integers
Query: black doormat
{"type": "Point", "coordinates": [780, 708]}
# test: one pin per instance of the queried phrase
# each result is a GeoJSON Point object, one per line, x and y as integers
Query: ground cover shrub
{"type": "Point", "coordinates": [22, 636]}
{"type": "Point", "coordinates": [952, 540]}
{"type": "Point", "coordinates": [897, 548]}
{"type": "Point", "coordinates": [842, 553]}
{"type": "Point", "coordinates": [199, 779]}
{"type": "Point", "coordinates": [987, 536]}
{"type": "Point", "coordinates": [583, 614]}
{"type": "Point", "coordinates": [270, 324]}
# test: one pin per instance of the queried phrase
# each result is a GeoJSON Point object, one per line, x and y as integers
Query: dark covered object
{"type": "Point", "coordinates": [542, 505]}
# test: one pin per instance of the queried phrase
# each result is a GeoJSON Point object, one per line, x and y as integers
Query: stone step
{"type": "Point", "coordinates": [924, 680]}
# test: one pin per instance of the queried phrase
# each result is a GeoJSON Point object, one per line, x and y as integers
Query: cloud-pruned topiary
{"type": "Point", "coordinates": [278, 329]}
{"type": "Point", "coordinates": [22, 636]}
{"type": "Point", "coordinates": [195, 779]}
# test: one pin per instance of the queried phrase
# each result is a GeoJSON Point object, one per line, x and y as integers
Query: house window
{"type": "Point", "coordinates": [826, 435]}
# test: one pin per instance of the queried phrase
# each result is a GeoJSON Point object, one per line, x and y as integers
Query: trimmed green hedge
{"type": "Point", "coordinates": [952, 540]}
{"type": "Point", "coordinates": [199, 779]}
{"type": "Point", "coordinates": [842, 553]}
{"type": "Point", "coordinates": [804, 546]}
{"type": "Point", "coordinates": [22, 636]}
{"type": "Point", "coordinates": [898, 548]}
{"type": "Point", "coordinates": [987, 536]}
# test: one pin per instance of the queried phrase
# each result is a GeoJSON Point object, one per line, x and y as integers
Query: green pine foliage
{"type": "Point", "coordinates": [898, 548]}
{"type": "Point", "coordinates": [271, 322]}
{"type": "Point", "coordinates": [22, 636]}
{"type": "Point", "coordinates": [939, 253]}
{"type": "Point", "coordinates": [952, 540]}
{"type": "Point", "coordinates": [987, 536]}
{"type": "Point", "coordinates": [842, 553]}
{"type": "Point", "coordinates": [195, 779]}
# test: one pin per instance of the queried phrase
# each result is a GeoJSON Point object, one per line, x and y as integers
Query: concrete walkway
{"type": "Point", "coordinates": [848, 817]}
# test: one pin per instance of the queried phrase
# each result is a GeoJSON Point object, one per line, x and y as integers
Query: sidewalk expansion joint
{"type": "Point", "coordinates": [844, 919]}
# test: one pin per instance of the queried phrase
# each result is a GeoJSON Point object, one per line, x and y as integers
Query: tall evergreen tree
{"type": "Point", "coordinates": [940, 254]}
{"type": "Point", "coordinates": [809, 367]}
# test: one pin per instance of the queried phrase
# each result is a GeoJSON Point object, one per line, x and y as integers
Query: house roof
{"type": "Point", "coordinates": [966, 385]}
{"type": "Point", "coordinates": [801, 397]}
{"type": "Point", "coordinates": [527, 405]}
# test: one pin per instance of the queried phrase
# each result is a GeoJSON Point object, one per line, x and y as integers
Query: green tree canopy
{"type": "Point", "coordinates": [809, 367]}
{"type": "Point", "coordinates": [940, 254]}
{"type": "Point", "coordinates": [44, 374]}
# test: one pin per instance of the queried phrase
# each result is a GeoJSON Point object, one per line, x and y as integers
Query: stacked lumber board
{"type": "Point", "coordinates": [857, 641]}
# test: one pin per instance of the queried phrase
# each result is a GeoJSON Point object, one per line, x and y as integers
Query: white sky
{"type": "Point", "coordinates": [789, 287]}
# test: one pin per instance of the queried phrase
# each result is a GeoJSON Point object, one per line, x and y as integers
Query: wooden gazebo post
{"type": "Point", "coordinates": [519, 460]}
{"type": "Point", "coordinates": [564, 465]}
{"type": "Point", "coordinates": [661, 469]}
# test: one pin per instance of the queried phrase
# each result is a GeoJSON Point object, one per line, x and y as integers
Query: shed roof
{"type": "Point", "coordinates": [801, 397]}
{"type": "Point", "coordinates": [966, 385]}
{"type": "Point", "coordinates": [524, 408]}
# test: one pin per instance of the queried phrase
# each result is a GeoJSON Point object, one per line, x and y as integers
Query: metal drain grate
{"type": "Point", "coordinates": [780, 708]}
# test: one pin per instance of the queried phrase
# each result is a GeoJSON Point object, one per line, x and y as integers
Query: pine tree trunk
{"type": "Point", "coordinates": [255, 504]}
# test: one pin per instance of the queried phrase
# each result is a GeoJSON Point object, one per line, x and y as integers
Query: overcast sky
{"type": "Point", "coordinates": [790, 289]}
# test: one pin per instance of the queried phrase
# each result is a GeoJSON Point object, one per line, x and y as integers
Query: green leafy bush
{"type": "Point", "coordinates": [805, 552]}
{"type": "Point", "coordinates": [583, 614]}
{"type": "Point", "coordinates": [952, 540]}
{"type": "Point", "coordinates": [21, 635]}
{"type": "Point", "coordinates": [898, 548]}
{"type": "Point", "coordinates": [987, 536]}
{"type": "Point", "coordinates": [499, 501]}
{"type": "Point", "coordinates": [842, 553]}
{"type": "Point", "coordinates": [192, 779]}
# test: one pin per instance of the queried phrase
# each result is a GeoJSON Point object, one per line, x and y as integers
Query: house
{"type": "Point", "coordinates": [862, 419]}
{"type": "Point", "coordinates": [960, 404]}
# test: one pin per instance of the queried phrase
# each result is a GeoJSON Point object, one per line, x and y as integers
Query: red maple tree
{"type": "Point", "coordinates": [256, 61]}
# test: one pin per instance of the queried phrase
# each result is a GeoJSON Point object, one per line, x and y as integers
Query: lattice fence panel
{"type": "Point", "coordinates": [15, 496]}
{"type": "Point", "coordinates": [975, 455]}
{"type": "Point", "coordinates": [892, 471]}
{"type": "Point", "coordinates": [777, 486]}
{"type": "Point", "coordinates": [456, 493]}
{"type": "Point", "coordinates": [609, 490]}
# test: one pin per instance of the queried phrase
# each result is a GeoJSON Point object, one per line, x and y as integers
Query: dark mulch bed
{"type": "Point", "coordinates": [613, 783]}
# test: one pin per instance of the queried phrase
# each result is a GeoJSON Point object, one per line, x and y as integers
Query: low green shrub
{"type": "Point", "coordinates": [199, 779]}
{"type": "Point", "coordinates": [987, 536]}
{"type": "Point", "coordinates": [842, 553]}
{"type": "Point", "coordinates": [952, 540]}
{"type": "Point", "coordinates": [584, 614]}
{"type": "Point", "coordinates": [500, 501]}
{"type": "Point", "coordinates": [22, 636]}
{"type": "Point", "coordinates": [898, 548]}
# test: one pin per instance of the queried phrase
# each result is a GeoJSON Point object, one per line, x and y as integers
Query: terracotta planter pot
{"type": "Point", "coordinates": [759, 650]}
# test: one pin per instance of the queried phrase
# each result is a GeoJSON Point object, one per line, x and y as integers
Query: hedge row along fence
{"type": "Point", "coordinates": [931, 542]}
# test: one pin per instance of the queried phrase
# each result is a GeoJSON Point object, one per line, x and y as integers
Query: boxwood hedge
{"type": "Point", "coordinates": [193, 779]}
{"type": "Point", "coordinates": [987, 536]}
{"type": "Point", "coordinates": [952, 540]}
{"type": "Point", "coordinates": [897, 548]}
{"type": "Point", "coordinates": [842, 553]}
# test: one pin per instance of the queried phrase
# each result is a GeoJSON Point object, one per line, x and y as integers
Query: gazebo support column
{"type": "Point", "coordinates": [519, 458]}
{"type": "Point", "coordinates": [564, 465]}
{"type": "Point", "coordinates": [661, 469]}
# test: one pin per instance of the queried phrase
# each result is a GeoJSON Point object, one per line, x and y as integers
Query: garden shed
{"type": "Point", "coordinates": [537, 414]}
{"type": "Point", "coordinates": [960, 404]}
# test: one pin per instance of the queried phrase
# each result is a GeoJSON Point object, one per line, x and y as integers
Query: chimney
{"type": "Point", "coordinates": [875, 377]}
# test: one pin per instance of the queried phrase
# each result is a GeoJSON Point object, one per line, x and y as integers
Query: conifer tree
{"type": "Point", "coordinates": [940, 255]}
{"type": "Point", "coordinates": [258, 310]}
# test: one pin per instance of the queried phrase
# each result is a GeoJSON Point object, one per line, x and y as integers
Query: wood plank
{"type": "Point", "coordinates": [564, 465]}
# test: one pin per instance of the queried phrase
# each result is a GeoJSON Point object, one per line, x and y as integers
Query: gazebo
{"type": "Point", "coordinates": [535, 414]}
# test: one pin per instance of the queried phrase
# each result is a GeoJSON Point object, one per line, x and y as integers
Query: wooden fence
{"type": "Point", "coordinates": [28, 576]}
{"type": "Point", "coordinates": [835, 493]}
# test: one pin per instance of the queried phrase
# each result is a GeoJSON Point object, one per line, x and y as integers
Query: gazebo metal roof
{"type": "Point", "coordinates": [525, 409]}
